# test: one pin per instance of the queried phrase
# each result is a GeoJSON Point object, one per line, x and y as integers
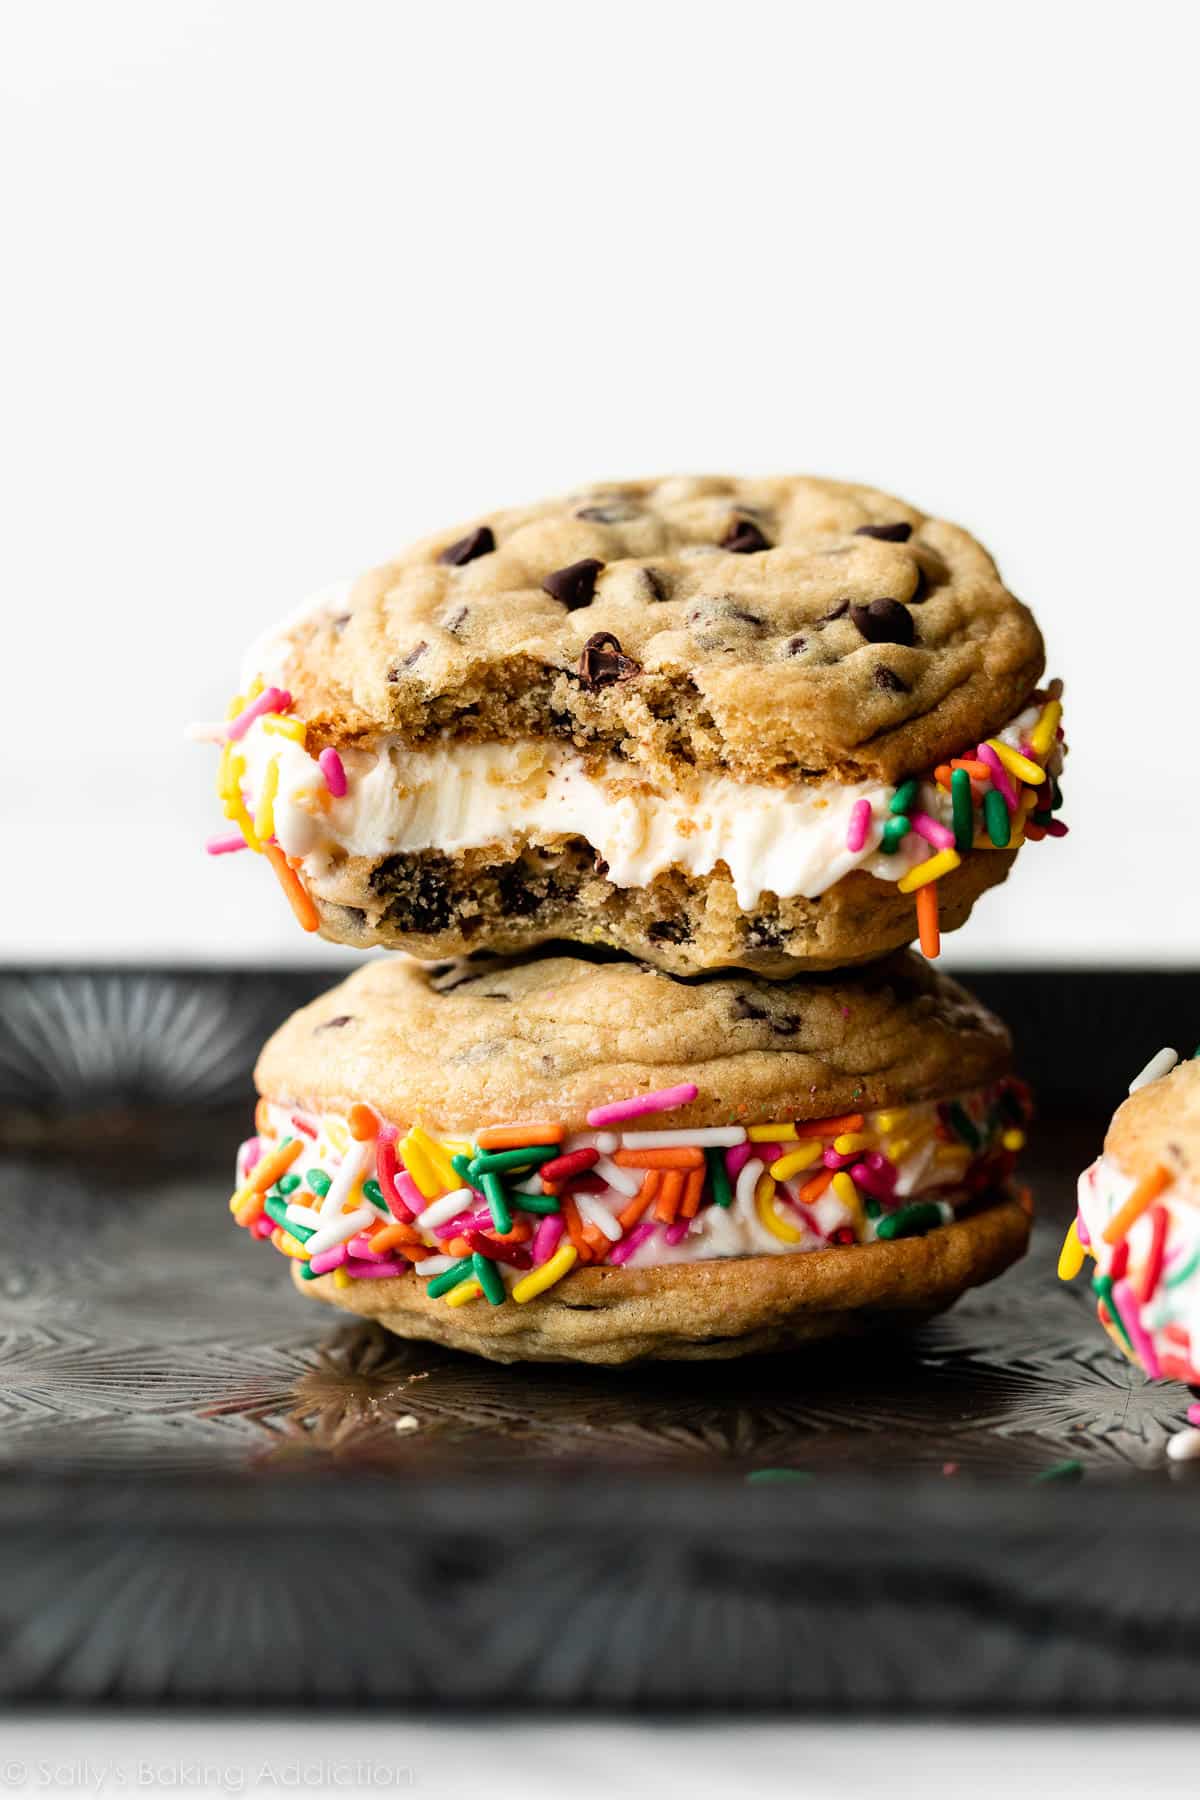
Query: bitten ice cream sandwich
{"type": "Point", "coordinates": [555, 1158]}
{"type": "Point", "coordinates": [782, 724]}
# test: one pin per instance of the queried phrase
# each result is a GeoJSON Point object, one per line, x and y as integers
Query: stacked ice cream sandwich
{"type": "Point", "coordinates": [665, 775]}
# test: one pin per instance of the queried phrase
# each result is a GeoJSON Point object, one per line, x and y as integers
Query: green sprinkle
{"type": "Point", "coordinates": [1102, 1286]}
{"type": "Point", "coordinates": [895, 832]}
{"type": "Point", "coordinates": [718, 1177]}
{"type": "Point", "coordinates": [995, 817]}
{"type": "Point", "coordinates": [962, 1124]}
{"type": "Point", "coordinates": [872, 1207]}
{"type": "Point", "coordinates": [490, 1280]}
{"type": "Point", "coordinates": [287, 1184]}
{"type": "Point", "coordinates": [901, 801]}
{"type": "Point", "coordinates": [284, 1141]}
{"type": "Point", "coordinates": [1056, 795]}
{"type": "Point", "coordinates": [307, 1272]}
{"type": "Point", "coordinates": [374, 1193]}
{"type": "Point", "coordinates": [496, 1198]}
{"type": "Point", "coordinates": [1067, 1470]}
{"type": "Point", "coordinates": [1189, 1267]}
{"type": "Point", "coordinates": [276, 1208]}
{"type": "Point", "coordinates": [910, 1221]}
{"type": "Point", "coordinates": [461, 1164]}
{"type": "Point", "coordinates": [449, 1278]}
{"type": "Point", "coordinates": [528, 1156]}
{"type": "Point", "coordinates": [762, 1477]}
{"type": "Point", "coordinates": [538, 1203]}
{"type": "Point", "coordinates": [1043, 818]}
{"type": "Point", "coordinates": [964, 809]}
{"type": "Point", "coordinates": [319, 1181]}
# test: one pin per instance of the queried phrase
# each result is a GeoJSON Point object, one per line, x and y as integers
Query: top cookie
{"type": "Point", "coordinates": [776, 628]}
{"type": "Point", "coordinates": [1160, 1123]}
{"type": "Point", "coordinates": [456, 1046]}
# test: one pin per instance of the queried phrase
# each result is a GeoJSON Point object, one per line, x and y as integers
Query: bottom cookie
{"type": "Point", "coordinates": [702, 1311]}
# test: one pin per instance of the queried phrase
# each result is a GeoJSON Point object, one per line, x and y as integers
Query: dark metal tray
{"type": "Point", "coordinates": [211, 1490]}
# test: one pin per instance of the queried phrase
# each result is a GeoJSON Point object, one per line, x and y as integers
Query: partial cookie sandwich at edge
{"type": "Point", "coordinates": [763, 723]}
{"type": "Point", "coordinates": [1138, 1221]}
{"type": "Point", "coordinates": [554, 1158]}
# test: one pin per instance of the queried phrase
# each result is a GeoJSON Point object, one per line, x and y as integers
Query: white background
{"type": "Point", "coordinates": [288, 283]}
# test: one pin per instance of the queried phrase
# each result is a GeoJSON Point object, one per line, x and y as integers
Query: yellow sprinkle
{"type": "Point", "coordinates": [283, 1240]}
{"type": "Point", "coordinates": [466, 1290]}
{"type": "Point", "coordinates": [795, 1160]}
{"type": "Point", "coordinates": [888, 1121]}
{"type": "Point", "coordinates": [952, 1156]}
{"type": "Point", "coordinates": [264, 816]}
{"type": "Point", "coordinates": [764, 1203]}
{"type": "Point", "coordinates": [849, 1141]}
{"type": "Point", "coordinates": [340, 1278]}
{"type": "Point", "coordinates": [238, 704]}
{"type": "Point", "coordinates": [421, 1169]}
{"type": "Point", "coordinates": [1070, 1257]}
{"type": "Point", "coordinates": [1041, 738]}
{"type": "Point", "coordinates": [1016, 764]}
{"type": "Point", "coordinates": [278, 726]}
{"type": "Point", "coordinates": [338, 1135]}
{"type": "Point", "coordinates": [539, 1279]}
{"type": "Point", "coordinates": [898, 1148]}
{"type": "Point", "coordinates": [771, 1134]}
{"type": "Point", "coordinates": [252, 1207]}
{"type": "Point", "coordinates": [442, 1167]}
{"type": "Point", "coordinates": [232, 796]}
{"type": "Point", "coordinates": [458, 1147]}
{"type": "Point", "coordinates": [932, 869]}
{"type": "Point", "coordinates": [1013, 1140]}
{"type": "Point", "coordinates": [845, 1190]}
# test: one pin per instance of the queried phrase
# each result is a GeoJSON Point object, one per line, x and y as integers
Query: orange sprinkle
{"type": "Point", "coordinates": [262, 1118]}
{"type": "Point", "coordinates": [574, 1224]}
{"type": "Point", "coordinates": [364, 1122]}
{"type": "Point", "coordinates": [268, 1169]}
{"type": "Point", "coordinates": [520, 1234]}
{"type": "Point", "coordinates": [631, 1213]}
{"type": "Point", "coordinates": [693, 1188]}
{"type": "Point", "coordinates": [678, 1156]}
{"type": "Point", "coordinates": [669, 1196]}
{"type": "Point", "coordinates": [812, 1190]}
{"type": "Point", "coordinates": [927, 920]}
{"type": "Point", "coordinates": [976, 770]}
{"type": "Point", "coordinates": [596, 1238]}
{"type": "Point", "coordinates": [456, 1246]}
{"type": "Point", "coordinates": [810, 1128]}
{"type": "Point", "coordinates": [298, 896]}
{"type": "Point", "coordinates": [388, 1237]}
{"type": "Point", "coordinates": [1144, 1195]}
{"type": "Point", "coordinates": [252, 1207]}
{"type": "Point", "coordinates": [551, 1187]}
{"type": "Point", "coordinates": [942, 774]}
{"type": "Point", "coordinates": [515, 1137]}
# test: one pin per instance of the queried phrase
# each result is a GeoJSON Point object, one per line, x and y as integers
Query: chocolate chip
{"type": "Point", "coordinates": [456, 619]}
{"type": "Point", "coordinates": [333, 1024]}
{"type": "Point", "coordinates": [917, 597]}
{"type": "Point", "coordinates": [669, 931]}
{"type": "Point", "coordinates": [884, 622]}
{"type": "Point", "coordinates": [574, 586]}
{"type": "Point", "coordinates": [795, 645]}
{"type": "Point", "coordinates": [614, 514]}
{"type": "Point", "coordinates": [408, 660]}
{"type": "Point", "coordinates": [889, 681]}
{"type": "Point", "coordinates": [340, 623]}
{"type": "Point", "coordinates": [899, 533]}
{"type": "Point", "coordinates": [838, 611]}
{"type": "Point", "coordinates": [480, 542]}
{"type": "Point", "coordinates": [655, 585]}
{"type": "Point", "coordinates": [602, 661]}
{"type": "Point", "coordinates": [744, 538]}
{"type": "Point", "coordinates": [747, 618]}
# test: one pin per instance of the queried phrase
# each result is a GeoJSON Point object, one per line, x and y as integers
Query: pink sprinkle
{"type": "Point", "coordinates": [248, 1155]}
{"type": "Point", "coordinates": [1056, 828]}
{"type": "Point", "coordinates": [1081, 1230]}
{"type": "Point", "coordinates": [333, 769]}
{"type": "Point", "coordinates": [1132, 1317]}
{"type": "Point", "coordinates": [676, 1233]}
{"type": "Point", "coordinates": [325, 1260]}
{"type": "Point", "coordinates": [873, 1182]}
{"type": "Point", "coordinates": [271, 700]}
{"type": "Point", "coordinates": [860, 824]}
{"type": "Point", "coordinates": [1193, 1413]}
{"type": "Point", "coordinates": [624, 1250]}
{"type": "Point", "coordinates": [225, 846]}
{"type": "Point", "coordinates": [454, 1227]}
{"type": "Point", "coordinates": [262, 1228]}
{"type": "Point", "coordinates": [360, 1245]}
{"type": "Point", "coordinates": [833, 1160]}
{"type": "Point", "coordinates": [737, 1158]}
{"type": "Point", "coordinates": [1000, 776]}
{"type": "Point", "coordinates": [940, 836]}
{"type": "Point", "coordinates": [375, 1271]}
{"type": "Point", "coordinates": [545, 1238]}
{"type": "Point", "coordinates": [664, 1100]}
{"type": "Point", "coordinates": [303, 1125]}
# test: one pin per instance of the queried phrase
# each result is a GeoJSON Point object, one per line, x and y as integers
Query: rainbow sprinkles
{"type": "Point", "coordinates": [300, 810]}
{"type": "Point", "coordinates": [506, 1211]}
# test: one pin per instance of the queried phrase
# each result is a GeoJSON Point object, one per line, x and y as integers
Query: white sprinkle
{"type": "Point", "coordinates": [531, 1185]}
{"type": "Point", "coordinates": [1185, 1445]}
{"type": "Point", "coordinates": [603, 1141]}
{"type": "Point", "coordinates": [338, 1230]}
{"type": "Point", "coordinates": [448, 1207]}
{"type": "Point", "coordinates": [352, 1166]}
{"type": "Point", "coordinates": [596, 1213]}
{"type": "Point", "coordinates": [435, 1265]}
{"type": "Point", "coordinates": [407, 1422]}
{"type": "Point", "coordinates": [296, 1214]}
{"type": "Point", "coordinates": [1159, 1065]}
{"type": "Point", "coordinates": [747, 1181]}
{"type": "Point", "coordinates": [718, 1137]}
{"type": "Point", "coordinates": [626, 1181]}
